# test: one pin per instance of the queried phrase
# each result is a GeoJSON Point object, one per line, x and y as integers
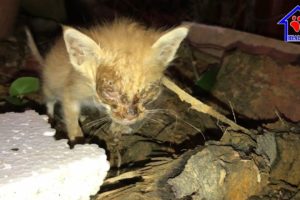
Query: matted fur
{"type": "Point", "coordinates": [125, 69]}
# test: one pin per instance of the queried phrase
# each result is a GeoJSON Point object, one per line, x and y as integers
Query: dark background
{"type": "Point", "coordinates": [256, 16]}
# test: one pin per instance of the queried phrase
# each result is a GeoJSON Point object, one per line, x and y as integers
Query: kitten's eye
{"type": "Point", "coordinates": [110, 94]}
{"type": "Point", "coordinates": [114, 106]}
{"type": "Point", "coordinates": [136, 100]}
{"type": "Point", "coordinates": [149, 95]}
{"type": "Point", "coordinates": [110, 83]}
{"type": "Point", "coordinates": [124, 99]}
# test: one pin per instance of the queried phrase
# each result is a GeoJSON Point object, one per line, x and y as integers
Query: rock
{"type": "Point", "coordinates": [257, 86]}
{"type": "Point", "coordinates": [225, 37]}
{"type": "Point", "coordinates": [3, 92]}
{"type": "Point", "coordinates": [266, 145]}
{"type": "Point", "coordinates": [296, 196]}
{"type": "Point", "coordinates": [275, 191]}
{"type": "Point", "coordinates": [287, 164]}
{"type": "Point", "coordinates": [140, 149]}
{"type": "Point", "coordinates": [218, 172]}
{"type": "Point", "coordinates": [240, 142]}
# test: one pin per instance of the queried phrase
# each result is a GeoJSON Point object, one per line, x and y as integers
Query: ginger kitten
{"type": "Point", "coordinates": [117, 67]}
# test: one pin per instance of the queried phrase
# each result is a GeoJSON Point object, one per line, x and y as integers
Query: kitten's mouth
{"type": "Point", "coordinates": [125, 121]}
{"type": "Point", "coordinates": [126, 116]}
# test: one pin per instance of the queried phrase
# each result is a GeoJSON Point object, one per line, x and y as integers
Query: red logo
{"type": "Point", "coordinates": [295, 23]}
{"type": "Point", "coordinates": [291, 24]}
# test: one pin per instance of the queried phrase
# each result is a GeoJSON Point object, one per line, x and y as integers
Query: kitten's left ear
{"type": "Point", "coordinates": [80, 47]}
{"type": "Point", "coordinates": [166, 46]}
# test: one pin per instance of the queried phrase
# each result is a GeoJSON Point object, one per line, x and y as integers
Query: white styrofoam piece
{"type": "Point", "coordinates": [35, 166]}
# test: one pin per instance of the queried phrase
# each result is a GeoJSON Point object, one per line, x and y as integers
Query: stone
{"type": "Point", "coordinates": [257, 86]}
{"type": "Point", "coordinates": [218, 172]}
{"type": "Point", "coordinates": [266, 145]}
{"type": "Point", "coordinates": [286, 166]}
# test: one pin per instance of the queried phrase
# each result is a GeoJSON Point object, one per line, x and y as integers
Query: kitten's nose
{"type": "Point", "coordinates": [131, 112]}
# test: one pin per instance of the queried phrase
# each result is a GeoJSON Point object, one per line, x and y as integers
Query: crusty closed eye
{"type": "Point", "coordinates": [150, 94]}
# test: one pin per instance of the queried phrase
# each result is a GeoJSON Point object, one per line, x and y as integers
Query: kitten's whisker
{"type": "Point", "coordinates": [102, 127]}
{"type": "Point", "coordinates": [174, 114]}
{"type": "Point", "coordinates": [170, 112]}
{"type": "Point", "coordinates": [96, 132]}
{"type": "Point", "coordinates": [96, 122]}
{"type": "Point", "coordinates": [157, 110]}
{"type": "Point", "coordinates": [140, 125]}
{"type": "Point", "coordinates": [194, 127]}
{"type": "Point", "coordinates": [155, 120]}
{"type": "Point", "coordinates": [106, 125]}
{"type": "Point", "coordinates": [164, 111]}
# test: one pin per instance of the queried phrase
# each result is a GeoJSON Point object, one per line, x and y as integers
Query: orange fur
{"type": "Point", "coordinates": [115, 69]}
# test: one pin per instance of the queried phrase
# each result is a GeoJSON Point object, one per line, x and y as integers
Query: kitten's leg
{"type": "Point", "coordinates": [50, 101]}
{"type": "Point", "coordinates": [50, 107]}
{"type": "Point", "coordinates": [71, 109]}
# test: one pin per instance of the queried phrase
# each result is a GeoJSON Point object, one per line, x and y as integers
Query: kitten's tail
{"type": "Point", "coordinates": [34, 50]}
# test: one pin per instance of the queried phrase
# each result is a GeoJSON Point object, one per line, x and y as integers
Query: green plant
{"type": "Point", "coordinates": [208, 79]}
{"type": "Point", "coordinates": [20, 87]}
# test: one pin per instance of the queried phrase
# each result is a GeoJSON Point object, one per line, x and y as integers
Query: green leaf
{"type": "Point", "coordinates": [23, 86]}
{"type": "Point", "coordinates": [16, 101]}
{"type": "Point", "coordinates": [208, 79]}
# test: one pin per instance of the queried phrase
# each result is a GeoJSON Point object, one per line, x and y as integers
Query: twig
{"type": "Point", "coordinates": [124, 176]}
{"type": "Point", "coordinates": [232, 110]}
{"type": "Point", "coordinates": [193, 62]}
{"type": "Point", "coordinates": [201, 107]}
{"type": "Point", "coordinates": [31, 44]}
{"type": "Point", "coordinates": [280, 118]}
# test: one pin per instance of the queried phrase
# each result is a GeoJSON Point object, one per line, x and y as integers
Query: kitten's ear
{"type": "Point", "coordinates": [166, 46]}
{"type": "Point", "coordinates": [80, 47]}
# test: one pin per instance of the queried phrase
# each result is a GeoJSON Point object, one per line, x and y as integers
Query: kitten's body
{"type": "Point", "coordinates": [117, 66]}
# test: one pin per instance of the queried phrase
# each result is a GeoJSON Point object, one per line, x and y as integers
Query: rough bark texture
{"type": "Point", "coordinates": [234, 168]}
{"type": "Point", "coordinates": [218, 172]}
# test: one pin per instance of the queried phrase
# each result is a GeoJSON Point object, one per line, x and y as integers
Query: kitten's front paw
{"type": "Point", "coordinates": [77, 138]}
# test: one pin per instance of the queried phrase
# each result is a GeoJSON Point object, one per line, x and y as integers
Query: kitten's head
{"type": "Point", "coordinates": [126, 73]}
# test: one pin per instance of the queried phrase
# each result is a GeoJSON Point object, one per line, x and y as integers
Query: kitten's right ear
{"type": "Point", "coordinates": [166, 46]}
{"type": "Point", "coordinates": [80, 47]}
